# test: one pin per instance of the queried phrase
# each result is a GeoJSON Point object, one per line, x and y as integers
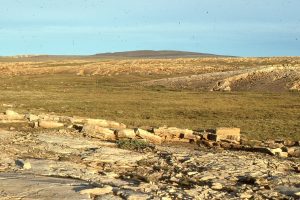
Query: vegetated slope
{"type": "Point", "coordinates": [264, 78]}
{"type": "Point", "coordinates": [202, 73]}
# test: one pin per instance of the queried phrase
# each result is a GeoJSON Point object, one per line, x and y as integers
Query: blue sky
{"type": "Point", "coordinates": [233, 27]}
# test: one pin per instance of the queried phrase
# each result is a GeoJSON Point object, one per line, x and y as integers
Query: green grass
{"type": "Point", "coordinates": [137, 145]}
{"type": "Point", "coordinates": [259, 115]}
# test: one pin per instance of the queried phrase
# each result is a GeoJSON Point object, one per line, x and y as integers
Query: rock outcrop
{"type": "Point", "coordinates": [79, 160]}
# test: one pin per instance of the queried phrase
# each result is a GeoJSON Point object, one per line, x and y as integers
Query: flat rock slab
{"type": "Point", "coordinates": [26, 186]}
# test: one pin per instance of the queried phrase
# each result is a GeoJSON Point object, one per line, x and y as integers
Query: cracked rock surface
{"type": "Point", "coordinates": [51, 164]}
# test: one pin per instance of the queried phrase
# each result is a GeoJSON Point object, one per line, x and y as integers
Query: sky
{"type": "Point", "coordinates": [85, 27]}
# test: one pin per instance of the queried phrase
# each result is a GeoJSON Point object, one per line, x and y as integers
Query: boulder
{"type": "Point", "coordinates": [48, 117]}
{"type": "Point", "coordinates": [23, 164]}
{"type": "Point", "coordinates": [50, 124]}
{"type": "Point", "coordinates": [126, 133]}
{"type": "Point", "coordinates": [289, 143]}
{"type": "Point", "coordinates": [34, 124]}
{"type": "Point", "coordinates": [207, 143]}
{"type": "Point", "coordinates": [276, 151]}
{"type": "Point", "coordinates": [283, 154]}
{"type": "Point", "coordinates": [148, 136]}
{"type": "Point", "coordinates": [99, 132]}
{"type": "Point", "coordinates": [105, 123]}
{"type": "Point", "coordinates": [294, 152]}
{"type": "Point", "coordinates": [170, 133]}
{"type": "Point", "coordinates": [228, 134]}
{"type": "Point", "coordinates": [12, 115]}
{"type": "Point", "coordinates": [32, 117]}
{"type": "Point", "coordinates": [188, 135]}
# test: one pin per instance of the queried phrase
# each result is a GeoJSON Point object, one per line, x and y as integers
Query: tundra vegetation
{"type": "Point", "coordinates": [263, 98]}
{"type": "Point", "coordinates": [184, 128]}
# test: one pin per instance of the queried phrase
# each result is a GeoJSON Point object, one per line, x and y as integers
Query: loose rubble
{"type": "Point", "coordinates": [78, 158]}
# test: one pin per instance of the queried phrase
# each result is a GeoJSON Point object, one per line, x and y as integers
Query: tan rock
{"type": "Point", "coordinates": [207, 143]}
{"type": "Point", "coordinates": [105, 123]}
{"type": "Point", "coordinates": [289, 143]}
{"type": "Point", "coordinates": [206, 178]}
{"type": "Point", "coordinates": [168, 133]}
{"type": "Point", "coordinates": [217, 186]}
{"type": "Point", "coordinates": [97, 191]}
{"type": "Point", "coordinates": [50, 124]}
{"type": "Point", "coordinates": [48, 117]}
{"type": "Point", "coordinates": [126, 133]}
{"type": "Point", "coordinates": [99, 132]}
{"type": "Point", "coordinates": [34, 124]}
{"type": "Point", "coordinates": [149, 136]}
{"type": "Point", "coordinates": [32, 117]}
{"type": "Point", "coordinates": [12, 115]}
{"type": "Point", "coordinates": [294, 152]}
{"type": "Point", "coordinates": [189, 135]}
{"type": "Point", "coordinates": [276, 151]}
{"type": "Point", "coordinates": [283, 154]}
{"type": "Point", "coordinates": [27, 165]}
{"type": "Point", "coordinates": [228, 133]}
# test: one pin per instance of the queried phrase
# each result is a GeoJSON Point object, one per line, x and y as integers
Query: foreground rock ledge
{"type": "Point", "coordinates": [76, 161]}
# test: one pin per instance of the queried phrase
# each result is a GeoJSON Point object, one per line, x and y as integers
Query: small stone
{"type": "Point", "coordinates": [50, 124]}
{"type": "Point", "coordinates": [206, 178]}
{"type": "Point", "coordinates": [179, 175]}
{"type": "Point", "coordinates": [217, 186]}
{"type": "Point", "coordinates": [32, 117]}
{"type": "Point", "coordinates": [245, 196]}
{"type": "Point", "coordinates": [207, 143]}
{"type": "Point", "coordinates": [275, 151]}
{"type": "Point", "coordinates": [7, 105]}
{"type": "Point", "coordinates": [27, 165]}
{"type": "Point", "coordinates": [192, 173]}
{"type": "Point", "coordinates": [12, 115]}
{"type": "Point", "coordinates": [174, 179]}
{"type": "Point", "coordinates": [261, 181]}
{"type": "Point", "coordinates": [97, 191]}
{"type": "Point", "coordinates": [166, 198]}
{"type": "Point", "coordinates": [285, 149]}
{"type": "Point", "coordinates": [34, 124]}
{"type": "Point", "coordinates": [289, 143]}
{"type": "Point", "coordinates": [283, 154]}
{"type": "Point", "coordinates": [23, 164]}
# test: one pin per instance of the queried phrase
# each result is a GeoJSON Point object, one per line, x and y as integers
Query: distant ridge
{"type": "Point", "coordinates": [154, 54]}
{"type": "Point", "coordinates": [140, 54]}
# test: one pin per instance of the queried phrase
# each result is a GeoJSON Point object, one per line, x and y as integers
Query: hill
{"type": "Point", "coordinates": [142, 54]}
{"type": "Point", "coordinates": [154, 54]}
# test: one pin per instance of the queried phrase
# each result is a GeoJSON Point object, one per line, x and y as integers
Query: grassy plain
{"type": "Point", "coordinates": [118, 97]}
